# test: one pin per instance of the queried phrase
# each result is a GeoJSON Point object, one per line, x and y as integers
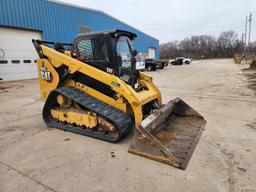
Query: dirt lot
{"type": "Point", "coordinates": [36, 158]}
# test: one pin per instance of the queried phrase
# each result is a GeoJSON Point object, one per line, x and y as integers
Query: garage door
{"type": "Point", "coordinates": [152, 53]}
{"type": "Point", "coordinates": [17, 54]}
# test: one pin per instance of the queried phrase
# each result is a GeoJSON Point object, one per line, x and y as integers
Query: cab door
{"type": "Point", "coordinates": [125, 60]}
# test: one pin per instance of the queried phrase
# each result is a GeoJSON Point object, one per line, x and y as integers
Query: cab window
{"type": "Point", "coordinates": [94, 51]}
{"type": "Point", "coordinates": [123, 49]}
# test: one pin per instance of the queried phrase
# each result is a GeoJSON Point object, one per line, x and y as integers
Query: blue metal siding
{"type": "Point", "coordinates": [60, 22]}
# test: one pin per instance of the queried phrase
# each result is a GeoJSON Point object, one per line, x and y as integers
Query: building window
{"type": "Point", "coordinates": [26, 61]}
{"type": "Point", "coordinates": [15, 61]}
{"type": "Point", "coordinates": [3, 61]}
{"type": "Point", "coordinates": [84, 29]}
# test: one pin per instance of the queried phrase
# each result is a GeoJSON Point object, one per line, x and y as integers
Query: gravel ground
{"type": "Point", "coordinates": [36, 158]}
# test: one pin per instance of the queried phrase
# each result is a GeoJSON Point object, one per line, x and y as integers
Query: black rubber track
{"type": "Point", "coordinates": [121, 120]}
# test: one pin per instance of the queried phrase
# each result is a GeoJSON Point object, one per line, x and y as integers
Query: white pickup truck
{"type": "Point", "coordinates": [180, 61]}
{"type": "Point", "coordinates": [140, 63]}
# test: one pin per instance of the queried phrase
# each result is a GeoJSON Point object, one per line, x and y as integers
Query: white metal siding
{"type": "Point", "coordinates": [17, 45]}
{"type": "Point", "coordinates": [152, 53]}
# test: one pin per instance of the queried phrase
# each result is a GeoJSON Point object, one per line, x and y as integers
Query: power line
{"type": "Point", "coordinates": [197, 28]}
{"type": "Point", "coordinates": [216, 21]}
{"type": "Point", "coordinates": [175, 27]}
{"type": "Point", "coordinates": [206, 29]}
{"type": "Point", "coordinates": [203, 32]}
{"type": "Point", "coordinates": [238, 27]}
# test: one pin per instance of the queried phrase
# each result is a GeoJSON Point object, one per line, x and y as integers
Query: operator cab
{"type": "Point", "coordinates": [110, 51]}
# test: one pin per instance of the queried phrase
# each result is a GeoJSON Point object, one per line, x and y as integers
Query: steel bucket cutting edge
{"type": "Point", "coordinates": [169, 135]}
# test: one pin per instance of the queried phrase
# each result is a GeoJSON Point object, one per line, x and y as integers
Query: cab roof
{"type": "Point", "coordinates": [116, 32]}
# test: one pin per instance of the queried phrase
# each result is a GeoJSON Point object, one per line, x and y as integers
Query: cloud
{"type": "Point", "coordinates": [168, 20]}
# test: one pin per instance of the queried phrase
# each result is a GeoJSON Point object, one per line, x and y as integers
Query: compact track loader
{"type": "Point", "coordinates": [91, 87]}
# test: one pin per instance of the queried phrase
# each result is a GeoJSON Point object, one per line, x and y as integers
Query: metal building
{"type": "Point", "coordinates": [22, 20]}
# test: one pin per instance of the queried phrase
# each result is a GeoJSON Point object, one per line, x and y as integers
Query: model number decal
{"type": "Point", "coordinates": [109, 70]}
{"type": "Point", "coordinates": [115, 84]}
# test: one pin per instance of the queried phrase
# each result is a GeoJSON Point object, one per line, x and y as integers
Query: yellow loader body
{"type": "Point", "coordinates": [168, 134]}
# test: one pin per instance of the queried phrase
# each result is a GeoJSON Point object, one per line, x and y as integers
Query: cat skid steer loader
{"type": "Point", "coordinates": [91, 87]}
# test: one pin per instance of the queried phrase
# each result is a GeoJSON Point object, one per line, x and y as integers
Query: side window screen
{"type": "Point", "coordinates": [94, 51]}
{"type": "Point", "coordinates": [85, 49]}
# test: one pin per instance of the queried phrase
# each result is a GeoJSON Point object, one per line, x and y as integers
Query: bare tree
{"type": "Point", "coordinates": [203, 46]}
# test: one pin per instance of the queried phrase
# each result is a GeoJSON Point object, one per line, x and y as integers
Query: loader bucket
{"type": "Point", "coordinates": [170, 134]}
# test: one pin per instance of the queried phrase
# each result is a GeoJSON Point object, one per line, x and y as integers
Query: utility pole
{"type": "Point", "coordinates": [243, 42]}
{"type": "Point", "coordinates": [245, 34]}
{"type": "Point", "coordinates": [250, 26]}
